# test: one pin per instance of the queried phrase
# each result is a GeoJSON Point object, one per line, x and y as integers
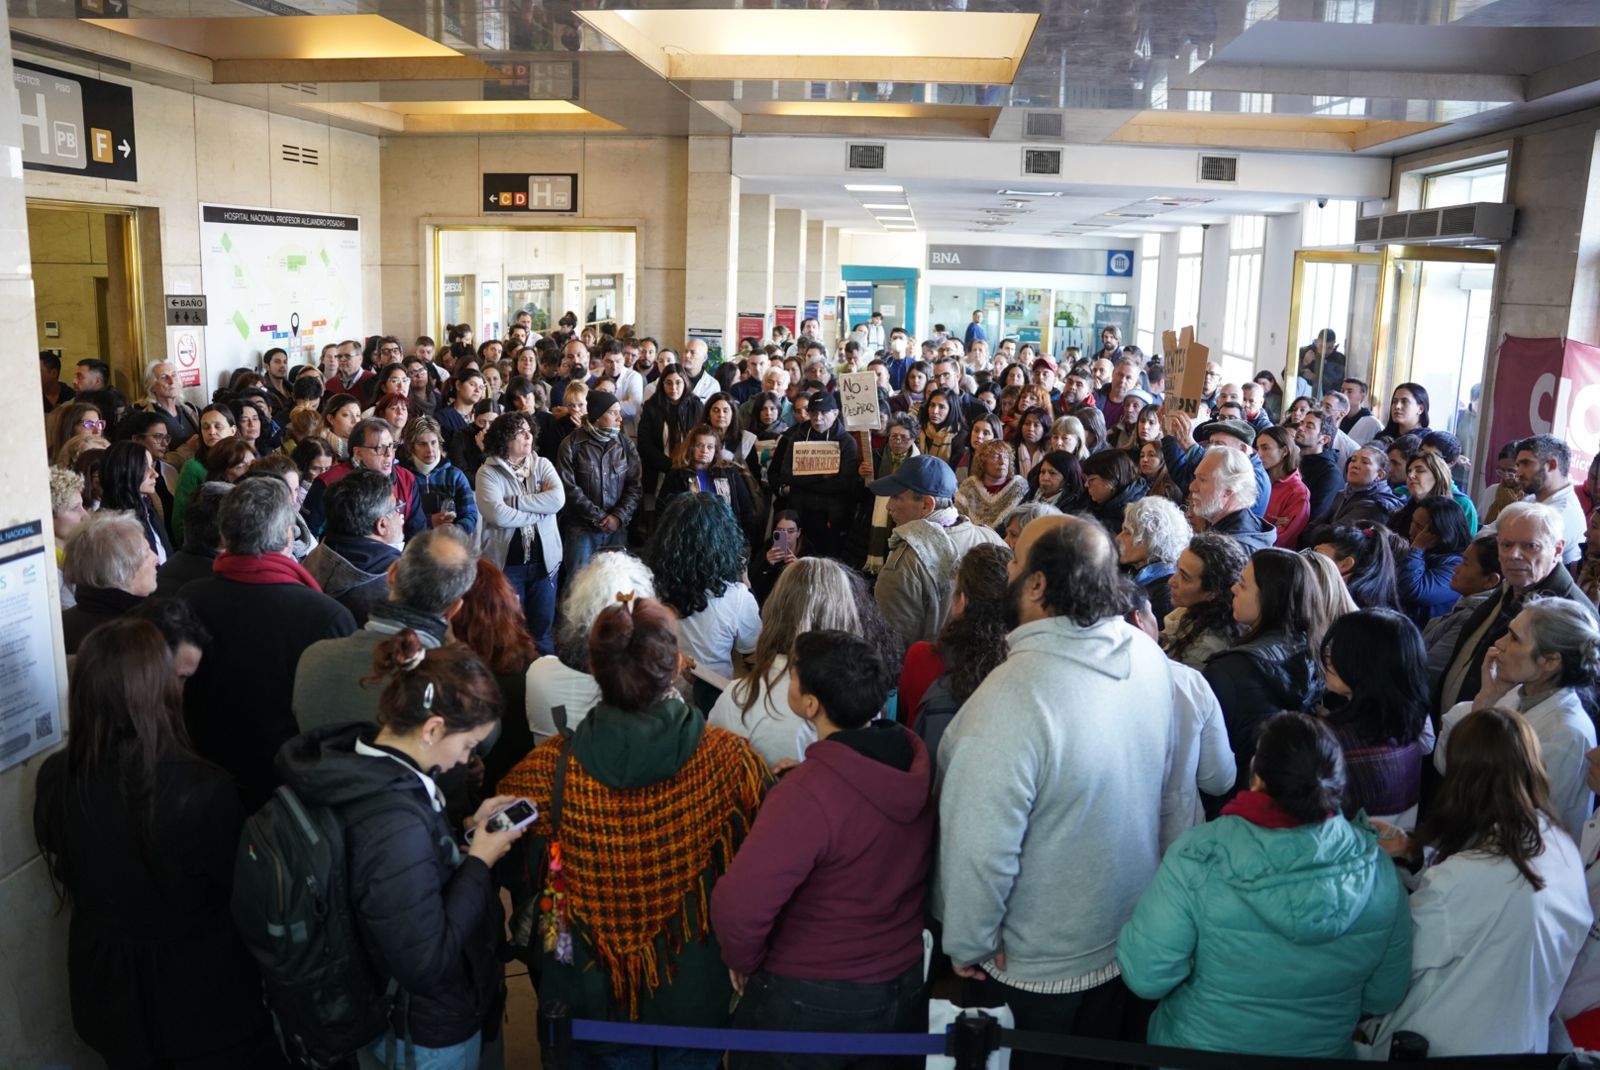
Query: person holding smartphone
{"type": "Point", "coordinates": [783, 550]}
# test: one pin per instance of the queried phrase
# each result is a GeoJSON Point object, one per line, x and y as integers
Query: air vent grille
{"type": "Point", "coordinates": [1367, 228]}
{"type": "Point", "coordinates": [1219, 168]}
{"type": "Point", "coordinates": [1392, 226]}
{"type": "Point", "coordinates": [1047, 125]}
{"type": "Point", "coordinates": [1458, 220]}
{"type": "Point", "coordinates": [1422, 224]}
{"type": "Point", "coordinates": [1041, 161]}
{"type": "Point", "coordinates": [308, 88]}
{"type": "Point", "coordinates": [865, 157]}
{"type": "Point", "coordinates": [301, 154]}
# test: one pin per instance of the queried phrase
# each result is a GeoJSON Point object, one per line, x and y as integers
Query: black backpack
{"type": "Point", "coordinates": [291, 905]}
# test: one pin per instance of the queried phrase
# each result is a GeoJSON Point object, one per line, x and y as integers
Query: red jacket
{"type": "Point", "coordinates": [829, 884]}
{"type": "Point", "coordinates": [1289, 509]}
{"type": "Point", "coordinates": [407, 498]}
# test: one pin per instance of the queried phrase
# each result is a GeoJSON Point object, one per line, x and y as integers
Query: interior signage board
{"type": "Point", "coordinates": [76, 125]}
{"type": "Point", "coordinates": [523, 192]}
{"type": "Point", "coordinates": [1113, 262]}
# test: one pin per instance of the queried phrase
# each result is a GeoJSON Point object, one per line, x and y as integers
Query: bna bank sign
{"type": "Point", "coordinates": [1116, 262]}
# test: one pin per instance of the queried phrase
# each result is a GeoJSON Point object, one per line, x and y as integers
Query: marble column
{"type": "Point", "coordinates": [711, 253]}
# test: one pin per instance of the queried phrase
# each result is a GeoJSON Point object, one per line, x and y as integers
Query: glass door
{"type": "Point", "coordinates": [1435, 316]}
{"type": "Point", "coordinates": [1333, 292]}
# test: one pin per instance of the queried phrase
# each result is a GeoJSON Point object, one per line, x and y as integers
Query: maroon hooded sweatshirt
{"type": "Point", "coordinates": [829, 884]}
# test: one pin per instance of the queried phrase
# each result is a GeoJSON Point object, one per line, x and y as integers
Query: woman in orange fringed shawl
{"type": "Point", "coordinates": [640, 813]}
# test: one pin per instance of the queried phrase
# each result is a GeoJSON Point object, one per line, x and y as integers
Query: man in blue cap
{"type": "Point", "coordinates": [926, 547]}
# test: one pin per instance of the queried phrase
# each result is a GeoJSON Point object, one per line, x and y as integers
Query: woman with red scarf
{"type": "Point", "coordinates": [1277, 927]}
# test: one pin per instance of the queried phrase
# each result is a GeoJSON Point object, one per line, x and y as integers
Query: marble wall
{"type": "Point", "coordinates": [194, 150]}
{"type": "Point", "coordinates": [629, 183]}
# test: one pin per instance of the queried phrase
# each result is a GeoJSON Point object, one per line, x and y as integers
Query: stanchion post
{"type": "Point", "coordinates": [972, 1039]}
{"type": "Point", "coordinates": [555, 1032]}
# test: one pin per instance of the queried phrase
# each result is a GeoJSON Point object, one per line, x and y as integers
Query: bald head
{"type": "Point", "coordinates": [1064, 567]}
{"type": "Point", "coordinates": [694, 356]}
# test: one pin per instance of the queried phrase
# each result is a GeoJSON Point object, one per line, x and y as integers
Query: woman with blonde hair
{"type": "Point", "coordinates": [993, 489]}
{"type": "Point", "coordinates": [812, 593]}
{"type": "Point", "coordinates": [1330, 597]}
{"type": "Point", "coordinates": [1067, 435]}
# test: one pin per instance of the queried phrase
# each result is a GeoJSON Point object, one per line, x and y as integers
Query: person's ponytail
{"type": "Point", "coordinates": [1301, 766]}
{"type": "Point", "coordinates": [450, 682]}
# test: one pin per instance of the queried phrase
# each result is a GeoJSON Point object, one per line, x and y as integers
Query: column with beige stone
{"type": "Point", "coordinates": [711, 254]}
{"type": "Point", "coordinates": [756, 230]}
{"type": "Point", "coordinates": [789, 260]}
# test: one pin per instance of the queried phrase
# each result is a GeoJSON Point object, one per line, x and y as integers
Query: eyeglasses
{"type": "Point", "coordinates": [390, 349]}
{"type": "Point", "coordinates": [158, 436]}
{"type": "Point", "coordinates": [385, 449]}
{"type": "Point", "coordinates": [93, 425]}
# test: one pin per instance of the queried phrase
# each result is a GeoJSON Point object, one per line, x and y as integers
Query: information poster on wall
{"type": "Point", "coordinates": [783, 316]}
{"type": "Point", "coordinates": [30, 708]}
{"type": "Point", "coordinates": [751, 325]}
{"type": "Point", "coordinates": [712, 337]}
{"type": "Point", "coordinates": [857, 303]}
{"type": "Point", "coordinates": [278, 278]}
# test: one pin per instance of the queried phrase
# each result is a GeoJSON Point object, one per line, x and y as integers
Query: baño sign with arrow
{"type": "Point", "coordinates": [76, 125]}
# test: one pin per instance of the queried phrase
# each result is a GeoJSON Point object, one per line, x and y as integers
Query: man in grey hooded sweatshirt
{"type": "Point", "coordinates": [1051, 787]}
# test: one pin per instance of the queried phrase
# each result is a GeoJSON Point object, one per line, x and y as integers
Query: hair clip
{"type": "Point", "coordinates": [427, 697]}
{"type": "Point", "coordinates": [412, 663]}
{"type": "Point", "coordinates": [626, 598]}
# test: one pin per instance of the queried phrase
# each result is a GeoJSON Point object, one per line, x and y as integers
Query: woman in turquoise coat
{"type": "Point", "coordinates": [1278, 926]}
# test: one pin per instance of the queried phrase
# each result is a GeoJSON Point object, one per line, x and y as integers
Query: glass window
{"type": "Point", "coordinates": [1186, 303]}
{"type": "Point", "coordinates": [1149, 272]}
{"type": "Point", "coordinates": [1485, 182]}
{"type": "Point", "coordinates": [1330, 224]}
{"type": "Point", "coordinates": [1246, 243]}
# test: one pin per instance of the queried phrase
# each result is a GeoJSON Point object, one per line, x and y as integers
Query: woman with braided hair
{"type": "Point", "coordinates": [640, 813]}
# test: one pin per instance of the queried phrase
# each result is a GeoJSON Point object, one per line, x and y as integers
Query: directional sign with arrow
{"type": "Point", "coordinates": [76, 125]}
{"type": "Point", "coordinates": [186, 310]}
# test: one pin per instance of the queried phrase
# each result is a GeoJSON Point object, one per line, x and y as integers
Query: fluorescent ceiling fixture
{"type": "Point", "coordinates": [906, 218]}
{"type": "Point", "coordinates": [875, 189]}
{"type": "Point", "coordinates": [260, 37]}
{"type": "Point", "coordinates": [1028, 192]}
{"type": "Point", "coordinates": [884, 207]}
{"type": "Point", "coordinates": [830, 45]}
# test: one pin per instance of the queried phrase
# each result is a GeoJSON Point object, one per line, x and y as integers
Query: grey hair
{"type": "Point", "coordinates": [1158, 525]}
{"type": "Point", "coordinates": [1237, 474]}
{"type": "Point", "coordinates": [106, 551]}
{"type": "Point", "coordinates": [1339, 400]}
{"type": "Point", "coordinates": [1028, 513]}
{"type": "Point", "coordinates": [150, 373]}
{"type": "Point", "coordinates": [436, 569]}
{"type": "Point", "coordinates": [944, 503]}
{"type": "Point", "coordinates": [361, 435]}
{"type": "Point", "coordinates": [593, 589]}
{"type": "Point", "coordinates": [356, 503]}
{"type": "Point", "coordinates": [1548, 519]}
{"type": "Point", "coordinates": [257, 517]}
{"type": "Point", "coordinates": [1567, 628]}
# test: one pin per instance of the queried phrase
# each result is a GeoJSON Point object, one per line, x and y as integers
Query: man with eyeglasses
{"type": "Point", "coordinates": [352, 379]}
{"type": "Point", "coordinates": [164, 398]}
{"type": "Point", "coordinates": [372, 447]}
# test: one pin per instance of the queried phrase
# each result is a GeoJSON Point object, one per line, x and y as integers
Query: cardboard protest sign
{"type": "Point", "coordinates": [858, 401]}
{"type": "Point", "coordinates": [815, 459]}
{"type": "Point", "coordinates": [1185, 362]}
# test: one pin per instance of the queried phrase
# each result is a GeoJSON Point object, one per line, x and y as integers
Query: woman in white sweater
{"type": "Point", "coordinates": [1498, 919]}
{"type": "Point", "coordinates": [812, 593]}
{"type": "Point", "coordinates": [1546, 667]}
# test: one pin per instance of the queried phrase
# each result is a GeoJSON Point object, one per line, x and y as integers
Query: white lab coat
{"type": "Point", "coordinates": [1565, 734]}
{"type": "Point", "coordinates": [1489, 955]}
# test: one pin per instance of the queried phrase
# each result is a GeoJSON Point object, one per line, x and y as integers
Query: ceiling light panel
{"type": "Point", "coordinates": [858, 188]}
{"type": "Point", "coordinates": [829, 45]}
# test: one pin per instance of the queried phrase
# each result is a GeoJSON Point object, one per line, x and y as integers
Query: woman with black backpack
{"type": "Point", "coordinates": [139, 833]}
{"type": "Point", "coordinates": [426, 910]}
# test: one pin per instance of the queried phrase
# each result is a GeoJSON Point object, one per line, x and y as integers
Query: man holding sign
{"type": "Point", "coordinates": [814, 471]}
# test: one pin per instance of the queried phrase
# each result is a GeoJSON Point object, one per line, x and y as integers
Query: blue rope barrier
{"type": "Point", "coordinates": [762, 1040]}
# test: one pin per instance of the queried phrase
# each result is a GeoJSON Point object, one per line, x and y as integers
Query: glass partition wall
{"type": "Point", "coordinates": [485, 275]}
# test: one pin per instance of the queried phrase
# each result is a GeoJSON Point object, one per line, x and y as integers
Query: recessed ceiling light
{"type": "Point", "coordinates": [876, 189]}
{"type": "Point", "coordinates": [891, 207]}
{"type": "Point", "coordinates": [1028, 192]}
{"type": "Point", "coordinates": [895, 219]}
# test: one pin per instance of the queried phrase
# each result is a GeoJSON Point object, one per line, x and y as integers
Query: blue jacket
{"type": "Point", "coordinates": [1181, 464]}
{"type": "Point", "coordinates": [1424, 582]}
{"type": "Point", "coordinates": [447, 485]}
{"type": "Point", "coordinates": [1271, 941]}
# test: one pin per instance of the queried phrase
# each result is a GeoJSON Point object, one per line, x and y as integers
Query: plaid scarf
{"type": "Point", "coordinates": [636, 860]}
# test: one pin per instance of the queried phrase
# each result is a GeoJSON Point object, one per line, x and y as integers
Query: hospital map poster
{"type": "Point", "coordinates": [278, 278]}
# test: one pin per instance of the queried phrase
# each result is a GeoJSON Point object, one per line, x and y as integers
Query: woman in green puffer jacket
{"type": "Point", "coordinates": [1278, 926]}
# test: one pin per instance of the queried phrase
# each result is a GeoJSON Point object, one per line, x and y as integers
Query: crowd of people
{"type": "Point", "coordinates": [1246, 730]}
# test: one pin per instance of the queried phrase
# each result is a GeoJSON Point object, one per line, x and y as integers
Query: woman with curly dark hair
{"type": "Point", "coordinates": [1201, 623]}
{"type": "Point", "coordinates": [937, 677]}
{"type": "Point", "coordinates": [697, 553]}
